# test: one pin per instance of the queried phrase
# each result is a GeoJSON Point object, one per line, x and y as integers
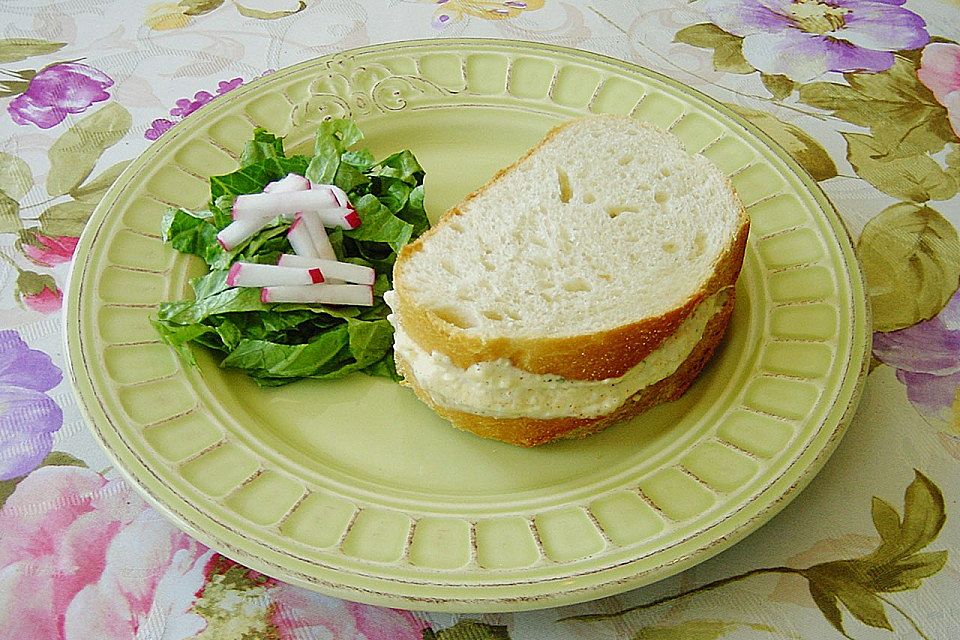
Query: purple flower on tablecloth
{"type": "Point", "coordinates": [803, 39]}
{"type": "Point", "coordinates": [185, 106]}
{"type": "Point", "coordinates": [927, 359]}
{"type": "Point", "coordinates": [84, 557]}
{"type": "Point", "coordinates": [57, 91]}
{"type": "Point", "coordinates": [28, 416]}
{"type": "Point", "coordinates": [940, 72]}
{"type": "Point", "coordinates": [228, 85]}
{"type": "Point", "coordinates": [157, 128]}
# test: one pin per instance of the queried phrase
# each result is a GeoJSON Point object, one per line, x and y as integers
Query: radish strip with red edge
{"type": "Point", "coordinates": [286, 204]}
{"type": "Point", "coordinates": [290, 182]}
{"type": "Point", "coordinates": [238, 231]}
{"type": "Point", "coordinates": [352, 220]}
{"type": "Point", "coordinates": [300, 237]}
{"type": "Point", "coordinates": [252, 274]}
{"type": "Point", "coordinates": [340, 195]}
{"type": "Point", "coordinates": [318, 235]}
{"type": "Point", "coordinates": [331, 269]}
{"type": "Point", "coordinates": [352, 294]}
{"type": "Point", "coordinates": [337, 192]}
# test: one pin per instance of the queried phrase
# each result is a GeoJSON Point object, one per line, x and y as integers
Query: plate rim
{"type": "Point", "coordinates": [848, 395]}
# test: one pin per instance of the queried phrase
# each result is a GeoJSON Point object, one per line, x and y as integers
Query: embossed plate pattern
{"type": "Point", "coordinates": [355, 489]}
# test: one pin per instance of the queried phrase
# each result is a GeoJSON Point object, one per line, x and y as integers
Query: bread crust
{"type": "Point", "coordinates": [530, 432]}
{"type": "Point", "coordinates": [596, 356]}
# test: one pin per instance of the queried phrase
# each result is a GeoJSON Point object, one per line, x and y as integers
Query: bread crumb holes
{"type": "Point", "coordinates": [577, 284]}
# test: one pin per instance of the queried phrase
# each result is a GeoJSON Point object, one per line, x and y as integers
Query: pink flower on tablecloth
{"type": "Point", "coordinates": [297, 613]}
{"type": "Point", "coordinates": [28, 416]}
{"type": "Point", "coordinates": [48, 251]}
{"type": "Point", "coordinates": [47, 300]}
{"type": "Point", "coordinates": [38, 292]}
{"type": "Point", "coordinates": [927, 359]}
{"type": "Point", "coordinates": [940, 72]}
{"type": "Point", "coordinates": [84, 557]}
{"type": "Point", "coordinates": [185, 106]}
{"type": "Point", "coordinates": [57, 91]}
{"type": "Point", "coordinates": [803, 39]}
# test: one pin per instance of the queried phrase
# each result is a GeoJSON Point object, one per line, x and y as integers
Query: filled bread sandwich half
{"type": "Point", "coordinates": [585, 283]}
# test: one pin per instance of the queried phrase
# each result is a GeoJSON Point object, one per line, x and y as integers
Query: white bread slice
{"type": "Point", "coordinates": [578, 260]}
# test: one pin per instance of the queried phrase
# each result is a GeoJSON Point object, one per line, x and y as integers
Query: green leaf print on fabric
{"type": "Point", "coordinates": [780, 87]}
{"type": "Point", "coordinates": [74, 154]}
{"type": "Point", "coordinates": [468, 630]}
{"type": "Point", "coordinates": [15, 176]}
{"type": "Point", "coordinates": [9, 214]}
{"type": "Point", "coordinates": [698, 630]}
{"type": "Point", "coordinates": [903, 115]}
{"type": "Point", "coordinates": [896, 565]}
{"type": "Point", "coordinates": [915, 178]}
{"type": "Point", "coordinates": [93, 190]}
{"type": "Point", "coordinates": [953, 162]}
{"type": "Point", "coordinates": [16, 179]}
{"type": "Point", "coordinates": [260, 14]}
{"type": "Point", "coordinates": [17, 49]}
{"type": "Point", "coordinates": [727, 48]}
{"type": "Point", "coordinates": [10, 88]}
{"type": "Point", "coordinates": [66, 218]}
{"type": "Point", "coordinates": [198, 7]}
{"type": "Point", "coordinates": [794, 140]}
{"type": "Point", "coordinates": [911, 260]}
{"type": "Point", "coordinates": [858, 584]}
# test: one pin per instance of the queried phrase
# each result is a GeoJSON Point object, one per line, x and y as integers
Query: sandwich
{"type": "Point", "coordinates": [582, 285]}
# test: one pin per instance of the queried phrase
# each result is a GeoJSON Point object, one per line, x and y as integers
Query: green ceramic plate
{"type": "Point", "coordinates": [356, 489]}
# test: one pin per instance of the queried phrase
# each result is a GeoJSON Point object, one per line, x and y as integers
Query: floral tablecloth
{"type": "Point", "coordinates": [865, 94]}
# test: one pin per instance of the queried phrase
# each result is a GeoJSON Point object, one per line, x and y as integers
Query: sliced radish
{"type": "Point", "coordinates": [300, 237]}
{"type": "Point", "coordinates": [238, 231]}
{"type": "Point", "coordinates": [352, 219]}
{"type": "Point", "coordinates": [318, 236]}
{"type": "Point", "coordinates": [339, 194]}
{"type": "Point", "coordinates": [331, 269]}
{"type": "Point", "coordinates": [252, 274]}
{"type": "Point", "coordinates": [290, 182]}
{"type": "Point", "coordinates": [319, 202]}
{"type": "Point", "coordinates": [353, 294]}
{"type": "Point", "coordinates": [284, 203]}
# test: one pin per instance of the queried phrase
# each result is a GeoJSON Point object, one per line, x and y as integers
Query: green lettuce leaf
{"type": "Point", "coordinates": [378, 224]}
{"type": "Point", "coordinates": [263, 146]}
{"type": "Point", "coordinates": [252, 178]}
{"type": "Point", "coordinates": [192, 232]}
{"type": "Point", "coordinates": [278, 343]}
{"type": "Point", "coordinates": [261, 358]}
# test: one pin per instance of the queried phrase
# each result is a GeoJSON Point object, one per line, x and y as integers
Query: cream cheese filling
{"type": "Point", "coordinates": [498, 389]}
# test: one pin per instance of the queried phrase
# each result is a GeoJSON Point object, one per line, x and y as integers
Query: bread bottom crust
{"type": "Point", "coordinates": [530, 432]}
